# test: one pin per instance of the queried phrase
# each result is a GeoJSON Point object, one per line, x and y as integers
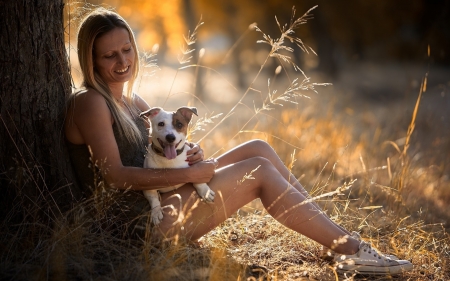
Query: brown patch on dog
{"type": "Point", "coordinates": [179, 122]}
{"type": "Point", "coordinates": [182, 117]}
{"type": "Point", "coordinates": [187, 112]}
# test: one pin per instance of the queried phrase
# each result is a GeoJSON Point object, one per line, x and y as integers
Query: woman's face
{"type": "Point", "coordinates": [114, 56]}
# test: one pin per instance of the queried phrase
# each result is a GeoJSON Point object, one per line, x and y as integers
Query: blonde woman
{"type": "Point", "coordinates": [104, 120]}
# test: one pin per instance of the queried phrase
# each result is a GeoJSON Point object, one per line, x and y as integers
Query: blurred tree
{"type": "Point", "coordinates": [155, 22]}
{"type": "Point", "coordinates": [191, 21]}
{"type": "Point", "coordinates": [225, 17]}
{"type": "Point", "coordinates": [342, 32]}
{"type": "Point", "coordinates": [34, 165]}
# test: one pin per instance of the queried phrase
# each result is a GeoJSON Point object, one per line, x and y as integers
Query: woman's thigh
{"type": "Point", "coordinates": [250, 149]}
{"type": "Point", "coordinates": [233, 186]}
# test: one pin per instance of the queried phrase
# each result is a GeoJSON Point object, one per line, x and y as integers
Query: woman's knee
{"type": "Point", "coordinates": [259, 144]}
{"type": "Point", "coordinates": [263, 167]}
{"type": "Point", "coordinates": [258, 147]}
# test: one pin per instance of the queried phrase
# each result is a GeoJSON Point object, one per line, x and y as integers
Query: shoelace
{"type": "Point", "coordinates": [366, 247]}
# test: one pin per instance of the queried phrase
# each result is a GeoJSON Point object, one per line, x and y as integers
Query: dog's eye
{"type": "Point", "coordinates": [161, 124]}
{"type": "Point", "coordinates": [179, 125]}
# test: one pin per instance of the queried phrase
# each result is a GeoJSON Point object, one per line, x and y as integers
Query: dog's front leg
{"type": "Point", "coordinates": [205, 192]}
{"type": "Point", "coordinates": [155, 205]}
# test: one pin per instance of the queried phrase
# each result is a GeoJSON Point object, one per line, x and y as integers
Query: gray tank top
{"type": "Point", "coordinates": [128, 215]}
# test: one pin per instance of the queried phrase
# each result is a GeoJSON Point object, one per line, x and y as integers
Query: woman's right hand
{"type": "Point", "coordinates": [202, 172]}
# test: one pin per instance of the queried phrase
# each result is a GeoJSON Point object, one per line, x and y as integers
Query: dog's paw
{"type": "Point", "coordinates": [205, 192]}
{"type": "Point", "coordinates": [209, 196]}
{"type": "Point", "coordinates": [157, 215]}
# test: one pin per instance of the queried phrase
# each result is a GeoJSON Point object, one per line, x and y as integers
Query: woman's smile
{"type": "Point", "coordinates": [121, 71]}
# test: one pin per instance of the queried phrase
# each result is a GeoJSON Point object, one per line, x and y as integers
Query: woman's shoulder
{"type": "Point", "coordinates": [89, 103]}
{"type": "Point", "coordinates": [88, 96]}
{"type": "Point", "coordinates": [87, 112]}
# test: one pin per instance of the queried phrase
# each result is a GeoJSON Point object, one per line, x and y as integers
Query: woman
{"type": "Point", "coordinates": [103, 120]}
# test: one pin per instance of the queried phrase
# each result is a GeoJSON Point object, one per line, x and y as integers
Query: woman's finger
{"type": "Point", "coordinates": [195, 158]}
{"type": "Point", "coordinates": [194, 149]}
{"type": "Point", "coordinates": [195, 154]}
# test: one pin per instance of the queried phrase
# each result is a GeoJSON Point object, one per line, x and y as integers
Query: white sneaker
{"type": "Point", "coordinates": [357, 236]}
{"type": "Point", "coordinates": [368, 261]}
{"type": "Point", "coordinates": [328, 254]}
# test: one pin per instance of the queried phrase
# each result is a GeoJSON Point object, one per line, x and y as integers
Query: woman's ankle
{"type": "Point", "coordinates": [349, 247]}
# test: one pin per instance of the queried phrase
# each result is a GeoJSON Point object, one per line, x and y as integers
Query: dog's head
{"type": "Point", "coordinates": [169, 129]}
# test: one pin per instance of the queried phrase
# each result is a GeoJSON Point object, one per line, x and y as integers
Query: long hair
{"type": "Point", "coordinates": [95, 24]}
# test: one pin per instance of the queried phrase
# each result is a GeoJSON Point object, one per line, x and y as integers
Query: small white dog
{"type": "Point", "coordinates": [168, 150]}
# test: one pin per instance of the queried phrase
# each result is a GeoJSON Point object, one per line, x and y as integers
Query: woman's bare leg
{"type": "Point", "coordinates": [279, 197]}
{"type": "Point", "coordinates": [261, 148]}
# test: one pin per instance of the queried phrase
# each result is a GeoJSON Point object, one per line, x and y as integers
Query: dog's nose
{"type": "Point", "coordinates": [170, 138]}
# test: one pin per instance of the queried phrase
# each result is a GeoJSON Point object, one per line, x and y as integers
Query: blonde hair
{"type": "Point", "coordinates": [94, 25]}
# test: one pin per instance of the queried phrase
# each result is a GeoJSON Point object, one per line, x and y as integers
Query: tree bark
{"type": "Point", "coordinates": [35, 172]}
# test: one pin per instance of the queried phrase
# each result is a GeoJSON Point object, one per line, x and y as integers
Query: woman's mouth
{"type": "Point", "coordinates": [121, 71]}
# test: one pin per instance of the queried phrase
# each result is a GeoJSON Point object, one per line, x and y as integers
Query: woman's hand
{"type": "Point", "coordinates": [203, 171]}
{"type": "Point", "coordinates": [195, 154]}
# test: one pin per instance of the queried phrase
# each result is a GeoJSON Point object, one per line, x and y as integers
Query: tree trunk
{"type": "Point", "coordinates": [232, 30]}
{"type": "Point", "coordinates": [320, 28]}
{"type": "Point", "coordinates": [191, 23]}
{"type": "Point", "coordinates": [35, 172]}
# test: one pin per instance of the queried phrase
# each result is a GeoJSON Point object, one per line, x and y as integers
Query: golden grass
{"type": "Point", "coordinates": [384, 214]}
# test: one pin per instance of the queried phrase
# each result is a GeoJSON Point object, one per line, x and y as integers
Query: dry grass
{"type": "Point", "coordinates": [387, 204]}
{"type": "Point", "coordinates": [386, 215]}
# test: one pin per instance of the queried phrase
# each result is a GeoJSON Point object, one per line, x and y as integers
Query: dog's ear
{"type": "Point", "coordinates": [152, 112]}
{"type": "Point", "coordinates": [187, 111]}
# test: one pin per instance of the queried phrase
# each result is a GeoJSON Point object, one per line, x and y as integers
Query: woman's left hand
{"type": "Point", "coordinates": [195, 154]}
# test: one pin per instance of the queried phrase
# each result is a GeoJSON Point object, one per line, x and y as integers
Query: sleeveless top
{"type": "Point", "coordinates": [130, 154]}
{"type": "Point", "coordinates": [128, 213]}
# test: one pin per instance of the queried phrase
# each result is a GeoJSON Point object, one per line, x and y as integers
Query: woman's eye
{"type": "Point", "coordinates": [161, 124]}
{"type": "Point", "coordinates": [110, 56]}
{"type": "Point", "coordinates": [127, 50]}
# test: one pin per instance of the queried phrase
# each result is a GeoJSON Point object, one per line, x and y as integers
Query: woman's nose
{"type": "Point", "coordinates": [122, 59]}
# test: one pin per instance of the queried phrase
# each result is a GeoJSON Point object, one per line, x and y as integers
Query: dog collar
{"type": "Point", "coordinates": [159, 151]}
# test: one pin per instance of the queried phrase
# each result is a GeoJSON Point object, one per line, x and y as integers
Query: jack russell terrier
{"type": "Point", "coordinates": [168, 150]}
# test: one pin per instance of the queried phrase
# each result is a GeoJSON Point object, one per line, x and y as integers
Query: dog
{"type": "Point", "coordinates": [168, 150]}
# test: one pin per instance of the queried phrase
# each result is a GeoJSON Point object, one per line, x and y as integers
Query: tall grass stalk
{"type": "Point", "coordinates": [400, 179]}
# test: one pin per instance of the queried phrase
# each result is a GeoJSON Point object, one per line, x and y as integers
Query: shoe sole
{"type": "Point", "coordinates": [373, 270]}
